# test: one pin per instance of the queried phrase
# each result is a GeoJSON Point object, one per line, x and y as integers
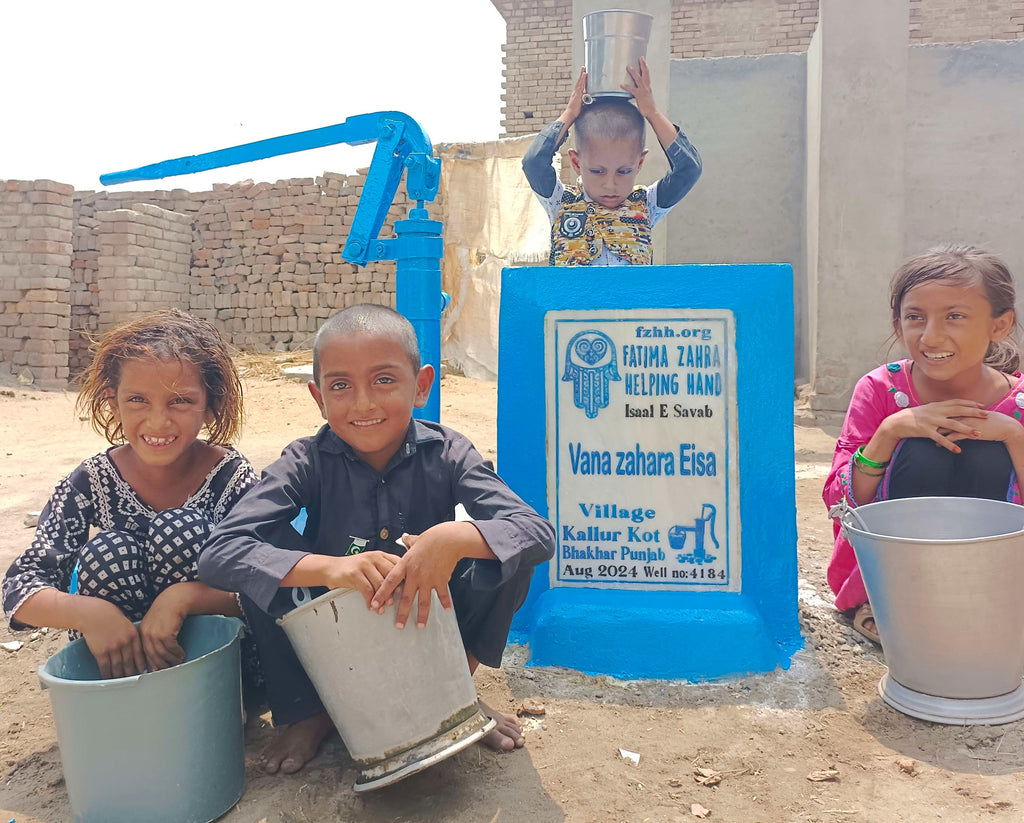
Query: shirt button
{"type": "Point", "coordinates": [384, 534]}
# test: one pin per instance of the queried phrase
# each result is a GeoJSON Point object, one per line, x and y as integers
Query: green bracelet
{"type": "Point", "coordinates": [867, 461]}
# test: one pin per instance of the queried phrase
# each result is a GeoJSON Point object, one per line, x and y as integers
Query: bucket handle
{"type": "Point", "coordinates": [301, 595]}
{"type": "Point", "coordinates": [849, 517]}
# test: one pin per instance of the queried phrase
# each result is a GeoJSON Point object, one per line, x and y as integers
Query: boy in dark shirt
{"type": "Point", "coordinates": [370, 475]}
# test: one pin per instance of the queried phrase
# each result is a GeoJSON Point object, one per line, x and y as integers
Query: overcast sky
{"type": "Point", "coordinates": [101, 86]}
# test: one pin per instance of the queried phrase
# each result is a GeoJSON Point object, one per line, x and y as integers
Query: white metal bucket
{"type": "Point", "coordinates": [402, 699]}
{"type": "Point", "coordinates": [944, 576]}
{"type": "Point", "coordinates": [612, 40]}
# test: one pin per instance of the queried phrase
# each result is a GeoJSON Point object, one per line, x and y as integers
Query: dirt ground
{"type": "Point", "coordinates": [764, 735]}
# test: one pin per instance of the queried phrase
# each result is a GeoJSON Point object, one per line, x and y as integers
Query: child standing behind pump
{"type": "Point", "coordinates": [605, 220]}
{"type": "Point", "coordinates": [152, 387]}
{"type": "Point", "coordinates": [946, 422]}
{"type": "Point", "coordinates": [369, 476]}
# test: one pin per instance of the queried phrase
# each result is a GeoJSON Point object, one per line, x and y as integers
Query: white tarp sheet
{"type": "Point", "coordinates": [491, 220]}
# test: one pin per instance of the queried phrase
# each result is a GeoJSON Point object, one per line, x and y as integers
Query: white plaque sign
{"type": "Point", "coordinates": [643, 485]}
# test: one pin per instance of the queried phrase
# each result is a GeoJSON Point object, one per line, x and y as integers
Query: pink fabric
{"type": "Point", "coordinates": [874, 399]}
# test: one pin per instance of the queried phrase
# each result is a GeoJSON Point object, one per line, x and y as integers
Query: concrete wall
{"type": "Point", "coordinates": [965, 148]}
{"type": "Point", "coordinates": [747, 118]}
{"type": "Point", "coordinates": [859, 165]}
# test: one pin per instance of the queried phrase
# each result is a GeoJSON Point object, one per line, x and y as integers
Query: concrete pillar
{"type": "Point", "coordinates": [658, 48]}
{"type": "Point", "coordinates": [857, 90]}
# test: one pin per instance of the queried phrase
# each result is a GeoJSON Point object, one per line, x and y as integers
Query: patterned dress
{"type": "Point", "coordinates": [135, 552]}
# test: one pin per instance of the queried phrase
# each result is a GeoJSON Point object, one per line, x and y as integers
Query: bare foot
{"type": "Point", "coordinates": [507, 734]}
{"type": "Point", "coordinates": [297, 744]}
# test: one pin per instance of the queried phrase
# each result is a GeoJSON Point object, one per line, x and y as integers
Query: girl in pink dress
{"type": "Point", "coordinates": [946, 421]}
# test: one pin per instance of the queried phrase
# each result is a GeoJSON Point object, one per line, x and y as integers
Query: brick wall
{"type": "Point", "coordinates": [261, 261]}
{"type": "Point", "coordinates": [729, 28]}
{"type": "Point", "coordinates": [954, 21]}
{"type": "Point", "coordinates": [267, 264]}
{"type": "Point", "coordinates": [538, 49]}
{"type": "Point", "coordinates": [85, 256]}
{"type": "Point", "coordinates": [35, 267]}
{"type": "Point", "coordinates": [538, 62]}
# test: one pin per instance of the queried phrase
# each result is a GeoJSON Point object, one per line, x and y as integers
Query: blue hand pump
{"type": "Point", "coordinates": [417, 248]}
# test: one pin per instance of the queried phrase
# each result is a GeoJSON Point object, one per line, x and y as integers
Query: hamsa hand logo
{"type": "Point", "coordinates": [590, 365]}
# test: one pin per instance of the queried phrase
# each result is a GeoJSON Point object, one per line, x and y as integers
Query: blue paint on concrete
{"type": "Point", "coordinates": [661, 634]}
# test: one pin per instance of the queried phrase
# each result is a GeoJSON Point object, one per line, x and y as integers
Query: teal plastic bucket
{"type": "Point", "coordinates": [160, 747]}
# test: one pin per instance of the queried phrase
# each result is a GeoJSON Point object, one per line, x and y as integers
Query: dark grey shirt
{"type": "Point", "coordinates": [351, 507]}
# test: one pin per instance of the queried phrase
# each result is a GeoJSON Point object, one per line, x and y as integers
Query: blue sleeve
{"type": "Point", "coordinates": [537, 160]}
{"type": "Point", "coordinates": [684, 171]}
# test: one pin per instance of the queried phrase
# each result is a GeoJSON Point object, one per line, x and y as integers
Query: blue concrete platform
{"type": "Point", "coordinates": [649, 633]}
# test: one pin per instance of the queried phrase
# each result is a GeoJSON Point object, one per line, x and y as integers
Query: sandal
{"type": "Point", "coordinates": [864, 623]}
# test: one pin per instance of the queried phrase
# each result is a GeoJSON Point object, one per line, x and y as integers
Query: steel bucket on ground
{"type": "Point", "coordinates": [612, 40]}
{"type": "Point", "coordinates": [402, 699]}
{"type": "Point", "coordinates": [160, 747]}
{"type": "Point", "coordinates": [944, 577]}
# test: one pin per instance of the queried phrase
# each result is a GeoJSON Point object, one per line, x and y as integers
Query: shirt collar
{"type": "Point", "coordinates": [417, 433]}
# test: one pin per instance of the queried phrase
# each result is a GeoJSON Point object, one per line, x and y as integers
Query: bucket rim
{"type": "Point", "coordinates": [939, 541]}
{"type": "Point", "coordinates": [48, 679]}
{"type": "Point", "coordinates": [310, 605]}
{"type": "Point", "coordinates": [618, 11]}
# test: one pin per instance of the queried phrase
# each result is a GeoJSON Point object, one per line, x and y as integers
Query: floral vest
{"type": "Point", "coordinates": [581, 228]}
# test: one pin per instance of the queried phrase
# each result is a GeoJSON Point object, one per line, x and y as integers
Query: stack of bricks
{"type": "Point", "coordinates": [263, 262]}
{"type": "Point", "coordinates": [84, 309]}
{"type": "Point", "coordinates": [143, 262]}
{"type": "Point", "coordinates": [35, 264]}
{"type": "Point", "coordinates": [84, 265]}
{"type": "Point", "coordinates": [267, 264]}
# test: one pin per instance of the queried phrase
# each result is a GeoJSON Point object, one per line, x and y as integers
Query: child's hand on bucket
{"type": "Point", "coordinates": [363, 572]}
{"type": "Point", "coordinates": [111, 637]}
{"type": "Point", "coordinates": [159, 630]}
{"type": "Point", "coordinates": [575, 104]}
{"type": "Point", "coordinates": [426, 566]}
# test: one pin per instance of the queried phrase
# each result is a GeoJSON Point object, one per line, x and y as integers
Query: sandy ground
{"type": "Point", "coordinates": [764, 735]}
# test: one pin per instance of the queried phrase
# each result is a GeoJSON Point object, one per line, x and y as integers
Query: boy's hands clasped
{"type": "Point", "coordinates": [426, 566]}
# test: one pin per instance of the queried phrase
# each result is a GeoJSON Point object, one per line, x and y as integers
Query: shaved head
{"type": "Point", "coordinates": [371, 320]}
{"type": "Point", "coordinates": [609, 118]}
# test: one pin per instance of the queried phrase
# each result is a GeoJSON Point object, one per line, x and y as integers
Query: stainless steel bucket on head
{"type": "Point", "coordinates": [612, 40]}
{"type": "Point", "coordinates": [945, 577]}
